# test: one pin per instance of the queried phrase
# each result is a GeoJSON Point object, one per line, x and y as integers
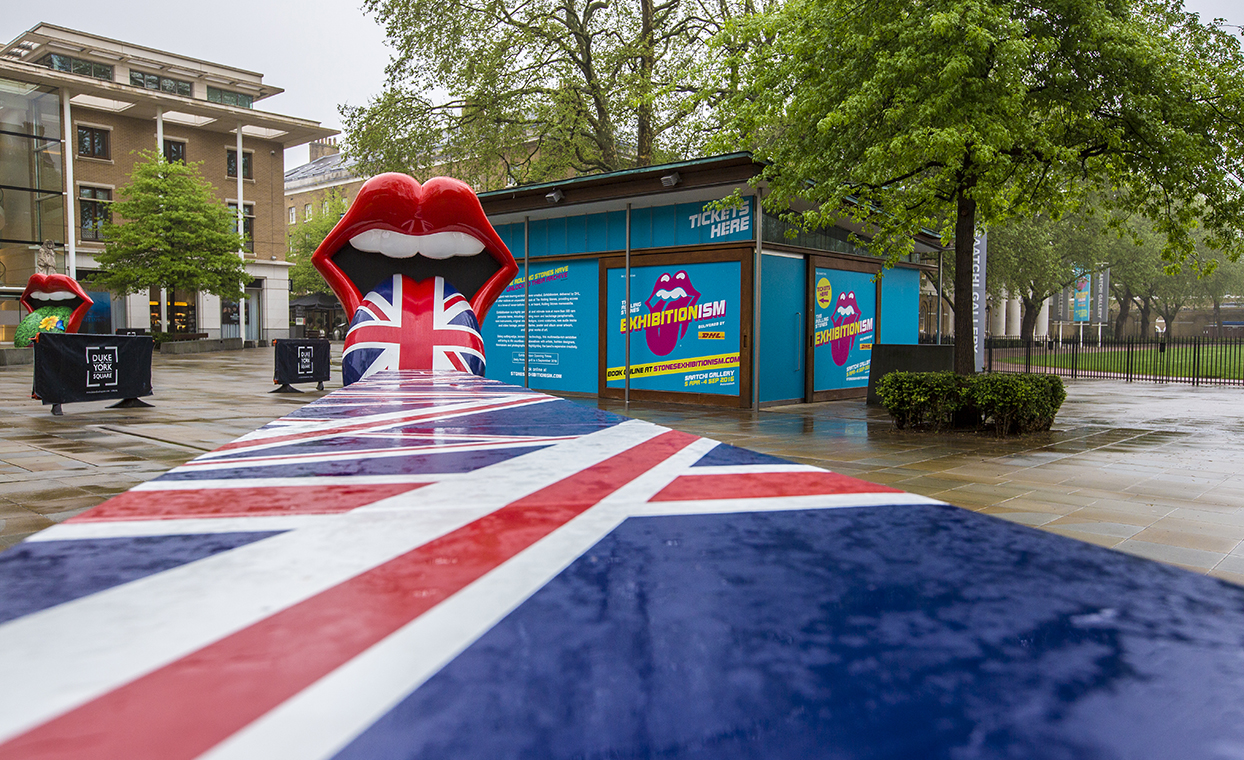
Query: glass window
{"type": "Point", "coordinates": [293, 215]}
{"type": "Point", "coordinates": [93, 203]}
{"type": "Point", "coordinates": [164, 84]}
{"type": "Point", "coordinates": [85, 68]}
{"type": "Point", "coordinates": [306, 213]}
{"type": "Point", "coordinates": [174, 151]}
{"type": "Point", "coordinates": [227, 98]}
{"type": "Point", "coordinates": [94, 142]}
{"type": "Point", "coordinates": [248, 222]}
{"type": "Point", "coordinates": [231, 164]}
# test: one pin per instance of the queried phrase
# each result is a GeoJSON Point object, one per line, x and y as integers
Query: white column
{"type": "Point", "coordinates": [1043, 320]}
{"type": "Point", "coordinates": [1014, 316]}
{"type": "Point", "coordinates": [70, 149]}
{"type": "Point", "coordinates": [997, 314]}
{"type": "Point", "coordinates": [241, 251]}
{"type": "Point", "coordinates": [159, 130]}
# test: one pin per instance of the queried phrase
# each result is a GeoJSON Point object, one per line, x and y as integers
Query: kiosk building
{"type": "Point", "coordinates": [728, 305]}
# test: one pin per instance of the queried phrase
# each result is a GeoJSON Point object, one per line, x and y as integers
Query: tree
{"type": "Point", "coordinates": [1035, 258]}
{"type": "Point", "coordinates": [499, 92]}
{"type": "Point", "coordinates": [305, 238]}
{"type": "Point", "coordinates": [1223, 279]}
{"type": "Point", "coordinates": [1174, 290]}
{"type": "Point", "coordinates": [1136, 270]}
{"type": "Point", "coordinates": [955, 115]}
{"type": "Point", "coordinates": [175, 235]}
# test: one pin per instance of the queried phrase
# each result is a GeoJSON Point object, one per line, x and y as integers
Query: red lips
{"type": "Point", "coordinates": [847, 312]}
{"type": "Point", "coordinates": [398, 203]}
{"type": "Point", "coordinates": [670, 293]}
{"type": "Point", "coordinates": [57, 283]}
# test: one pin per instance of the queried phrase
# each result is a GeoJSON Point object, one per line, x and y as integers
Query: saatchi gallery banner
{"type": "Point", "coordinates": [684, 328]}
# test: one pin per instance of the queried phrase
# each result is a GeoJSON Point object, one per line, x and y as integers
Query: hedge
{"type": "Point", "coordinates": [1009, 404]}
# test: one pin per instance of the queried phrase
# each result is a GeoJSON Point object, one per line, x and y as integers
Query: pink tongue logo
{"type": "Point", "coordinates": [846, 315]}
{"type": "Point", "coordinates": [669, 294]}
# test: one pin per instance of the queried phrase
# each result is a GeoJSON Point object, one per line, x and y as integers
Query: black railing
{"type": "Point", "coordinates": [1198, 361]}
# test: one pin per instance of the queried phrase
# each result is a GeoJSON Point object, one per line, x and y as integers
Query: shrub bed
{"type": "Point", "coordinates": [1008, 404]}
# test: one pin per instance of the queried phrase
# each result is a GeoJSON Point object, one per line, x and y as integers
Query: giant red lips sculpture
{"type": "Point", "coordinates": [417, 267]}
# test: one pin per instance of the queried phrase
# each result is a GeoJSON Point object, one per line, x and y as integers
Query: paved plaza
{"type": "Point", "coordinates": [1152, 470]}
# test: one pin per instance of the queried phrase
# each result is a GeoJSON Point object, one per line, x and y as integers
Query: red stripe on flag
{"type": "Point", "coordinates": [186, 707]}
{"type": "Point", "coordinates": [762, 485]}
{"type": "Point", "coordinates": [311, 434]}
{"type": "Point", "coordinates": [241, 502]}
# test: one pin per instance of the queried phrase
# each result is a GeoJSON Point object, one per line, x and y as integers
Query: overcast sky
{"type": "Point", "coordinates": [322, 52]}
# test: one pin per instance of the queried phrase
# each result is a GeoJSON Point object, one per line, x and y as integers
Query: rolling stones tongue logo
{"type": "Point", "coordinates": [846, 313]}
{"type": "Point", "coordinates": [668, 295]}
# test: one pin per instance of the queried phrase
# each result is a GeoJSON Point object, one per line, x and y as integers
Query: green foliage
{"type": "Point", "coordinates": [957, 114]}
{"type": "Point", "coordinates": [496, 91]}
{"type": "Point", "coordinates": [304, 239]}
{"type": "Point", "coordinates": [1016, 404]}
{"type": "Point", "coordinates": [1010, 404]}
{"type": "Point", "coordinates": [1035, 257]}
{"type": "Point", "coordinates": [42, 319]}
{"type": "Point", "coordinates": [922, 399]}
{"type": "Point", "coordinates": [175, 234]}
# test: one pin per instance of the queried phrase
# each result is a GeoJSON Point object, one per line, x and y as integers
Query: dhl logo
{"type": "Point", "coordinates": [712, 335]}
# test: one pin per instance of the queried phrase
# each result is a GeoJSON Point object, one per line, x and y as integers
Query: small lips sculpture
{"type": "Point", "coordinates": [669, 294]}
{"type": "Point", "coordinates": [57, 290]}
{"type": "Point", "coordinates": [395, 226]}
{"type": "Point", "coordinates": [847, 312]}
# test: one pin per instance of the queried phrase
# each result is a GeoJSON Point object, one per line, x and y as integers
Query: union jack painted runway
{"type": "Point", "coordinates": [435, 565]}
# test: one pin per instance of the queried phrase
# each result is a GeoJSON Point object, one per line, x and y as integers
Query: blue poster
{"type": "Point", "coordinates": [844, 322]}
{"type": "Point", "coordinates": [900, 306]}
{"type": "Point", "coordinates": [1080, 308]}
{"type": "Point", "coordinates": [684, 327]}
{"type": "Point", "coordinates": [564, 350]}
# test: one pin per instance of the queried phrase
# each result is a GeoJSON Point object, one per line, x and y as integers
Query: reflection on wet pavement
{"type": "Point", "coordinates": [1152, 470]}
{"type": "Point", "coordinates": [1147, 469]}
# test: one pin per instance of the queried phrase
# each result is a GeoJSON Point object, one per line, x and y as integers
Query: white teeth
{"type": "Point", "coordinates": [846, 311]}
{"type": "Point", "coordinates": [438, 245]}
{"type": "Point", "coordinates": [60, 295]}
{"type": "Point", "coordinates": [670, 295]}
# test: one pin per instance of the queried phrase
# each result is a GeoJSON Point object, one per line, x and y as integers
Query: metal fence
{"type": "Point", "coordinates": [1198, 361]}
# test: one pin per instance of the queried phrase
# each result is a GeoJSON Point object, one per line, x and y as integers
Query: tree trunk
{"type": "Point", "coordinates": [965, 238]}
{"type": "Point", "coordinates": [1218, 318]}
{"type": "Point", "coordinates": [647, 56]}
{"type": "Point", "coordinates": [1125, 310]}
{"type": "Point", "coordinates": [1145, 306]}
{"type": "Point", "coordinates": [1028, 322]}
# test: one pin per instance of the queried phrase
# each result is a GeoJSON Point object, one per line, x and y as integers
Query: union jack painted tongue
{"type": "Point", "coordinates": [405, 323]}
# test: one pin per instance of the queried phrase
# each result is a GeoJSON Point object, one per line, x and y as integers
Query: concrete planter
{"type": "Point", "coordinates": [10, 357]}
{"type": "Point", "coordinates": [201, 346]}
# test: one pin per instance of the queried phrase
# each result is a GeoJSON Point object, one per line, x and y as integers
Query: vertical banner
{"type": "Point", "coordinates": [980, 253]}
{"type": "Point", "coordinates": [1101, 297]}
{"type": "Point", "coordinates": [684, 326]}
{"type": "Point", "coordinates": [844, 320]}
{"type": "Point", "coordinates": [1080, 304]}
{"type": "Point", "coordinates": [564, 348]}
